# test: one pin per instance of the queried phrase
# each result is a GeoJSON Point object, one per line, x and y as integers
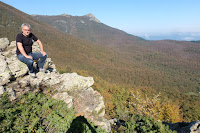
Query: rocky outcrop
{"type": "Point", "coordinates": [72, 88]}
{"type": "Point", "coordinates": [4, 43]}
{"type": "Point", "coordinates": [185, 127]}
{"type": "Point", "coordinates": [5, 73]}
{"type": "Point", "coordinates": [92, 17]}
{"type": "Point", "coordinates": [2, 90]}
{"type": "Point", "coordinates": [11, 67]}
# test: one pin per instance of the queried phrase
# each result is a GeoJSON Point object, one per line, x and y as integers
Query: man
{"type": "Point", "coordinates": [24, 42]}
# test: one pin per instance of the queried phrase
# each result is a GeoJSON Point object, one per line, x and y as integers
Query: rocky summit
{"type": "Point", "coordinates": [72, 88]}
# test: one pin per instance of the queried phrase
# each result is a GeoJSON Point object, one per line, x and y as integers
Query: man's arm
{"type": "Point", "coordinates": [21, 49]}
{"type": "Point", "coordinates": [41, 47]}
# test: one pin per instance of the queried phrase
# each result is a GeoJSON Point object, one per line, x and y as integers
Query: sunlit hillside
{"type": "Point", "coordinates": [169, 67]}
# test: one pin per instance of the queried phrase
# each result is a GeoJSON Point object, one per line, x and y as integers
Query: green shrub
{"type": "Point", "coordinates": [141, 124]}
{"type": "Point", "coordinates": [35, 112]}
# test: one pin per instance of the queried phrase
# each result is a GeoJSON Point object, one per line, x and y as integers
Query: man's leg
{"type": "Point", "coordinates": [27, 61]}
{"type": "Point", "coordinates": [41, 57]}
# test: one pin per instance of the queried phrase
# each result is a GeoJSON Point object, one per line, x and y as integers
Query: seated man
{"type": "Point", "coordinates": [24, 42]}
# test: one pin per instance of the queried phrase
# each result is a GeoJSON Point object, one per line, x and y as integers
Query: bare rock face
{"type": "Point", "coordinates": [16, 68]}
{"type": "Point", "coordinates": [92, 17]}
{"type": "Point", "coordinates": [2, 90]}
{"type": "Point", "coordinates": [11, 93]}
{"type": "Point", "coordinates": [5, 73]}
{"type": "Point", "coordinates": [72, 88]}
{"type": "Point", "coordinates": [65, 97]}
{"type": "Point", "coordinates": [72, 81]}
{"type": "Point", "coordinates": [4, 42]}
{"type": "Point", "coordinates": [90, 103]}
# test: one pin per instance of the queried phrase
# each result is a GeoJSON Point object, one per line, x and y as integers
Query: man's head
{"type": "Point", "coordinates": [26, 29]}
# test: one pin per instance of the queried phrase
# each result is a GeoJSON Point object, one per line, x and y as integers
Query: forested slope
{"type": "Point", "coordinates": [150, 67]}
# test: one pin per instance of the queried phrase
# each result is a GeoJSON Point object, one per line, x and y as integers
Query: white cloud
{"type": "Point", "coordinates": [195, 34]}
{"type": "Point", "coordinates": [188, 38]}
{"type": "Point", "coordinates": [146, 36]}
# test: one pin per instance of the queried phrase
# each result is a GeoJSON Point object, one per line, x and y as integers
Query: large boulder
{"type": "Point", "coordinates": [35, 47]}
{"type": "Point", "coordinates": [2, 90]}
{"type": "Point", "coordinates": [73, 89]}
{"type": "Point", "coordinates": [91, 104]}
{"type": "Point", "coordinates": [5, 73]}
{"type": "Point", "coordinates": [65, 97]}
{"type": "Point", "coordinates": [10, 50]}
{"type": "Point", "coordinates": [72, 81]}
{"type": "Point", "coordinates": [11, 92]}
{"type": "Point", "coordinates": [4, 42]}
{"type": "Point", "coordinates": [16, 67]}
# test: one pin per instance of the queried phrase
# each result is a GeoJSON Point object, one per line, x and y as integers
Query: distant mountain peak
{"type": "Point", "coordinates": [92, 17]}
{"type": "Point", "coordinates": [64, 14]}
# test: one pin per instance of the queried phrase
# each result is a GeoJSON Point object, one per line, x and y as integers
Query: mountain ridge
{"type": "Point", "coordinates": [88, 27]}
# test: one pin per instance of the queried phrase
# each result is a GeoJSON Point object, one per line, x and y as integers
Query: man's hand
{"type": "Point", "coordinates": [30, 57]}
{"type": "Point", "coordinates": [43, 53]}
{"type": "Point", "coordinates": [41, 47]}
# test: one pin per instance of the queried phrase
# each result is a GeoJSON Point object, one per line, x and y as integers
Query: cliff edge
{"type": "Point", "coordinates": [72, 88]}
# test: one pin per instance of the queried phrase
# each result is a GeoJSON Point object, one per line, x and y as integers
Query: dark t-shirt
{"type": "Point", "coordinates": [27, 42]}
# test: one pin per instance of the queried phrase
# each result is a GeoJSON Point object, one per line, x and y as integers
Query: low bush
{"type": "Point", "coordinates": [35, 112]}
{"type": "Point", "coordinates": [141, 124]}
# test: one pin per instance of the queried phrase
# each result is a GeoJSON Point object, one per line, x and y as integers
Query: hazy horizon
{"type": "Point", "coordinates": [180, 36]}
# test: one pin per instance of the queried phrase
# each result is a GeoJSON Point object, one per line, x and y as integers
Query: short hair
{"type": "Point", "coordinates": [25, 24]}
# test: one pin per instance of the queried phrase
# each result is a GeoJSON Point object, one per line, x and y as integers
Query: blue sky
{"type": "Point", "coordinates": [132, 16]}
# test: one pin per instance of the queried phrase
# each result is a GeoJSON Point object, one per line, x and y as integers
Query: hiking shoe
{"type": "Point", "coordinates": [42, 70]}
{"type": "Point", "coordinates": [32, 75]}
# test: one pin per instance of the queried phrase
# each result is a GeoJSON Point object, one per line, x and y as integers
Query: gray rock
{"type": "Point", "coordinates": [10, 50]}
{"type": "Point", "coordinates": [2, 90]}
{"type": "Point", "coordinates": [18, 69]}
{"type": "Point", "coordinates": [15, 67]}
{"type": "Point", "coordinates": [64, 97]}
{"type": "Point", "coordinates": [24, 82]}
{"type": "Point", "coordinates": [49, 65]}
{"type": "Point", "coordinates": [90, 103]}
{"type": "Point", "coordinates": [73, 81]}
{"type": "Point", "coordinates": [12, 44]}
{"type": "Point", "coordinates": [195, 127]}
{"type": "Point", "coordinates": [4, 42]}
{"type": "Point", "coordinates": [5, 73]}
{"type": "Point", "coordinates": [11, 93]}
{"type": "Point", "coordinates": [185, 127]}
{"type": "Point", "coordinates": [36, 47]}
{"type": "Point", "coordinates": [74, 92]}
{"type": "Point", "coordinates": [113, 121]}
{"type": "Point", "coordinates": [92, 17]}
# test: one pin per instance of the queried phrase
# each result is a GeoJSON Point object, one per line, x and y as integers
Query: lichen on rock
{"type": "Point", "coordinates": [4, 42]}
